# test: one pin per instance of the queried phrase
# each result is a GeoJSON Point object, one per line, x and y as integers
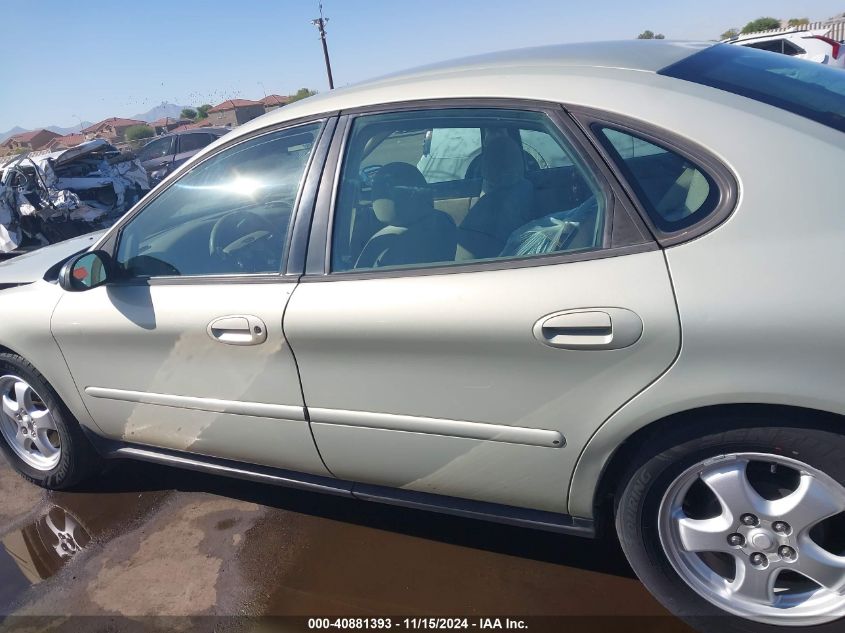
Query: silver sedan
{"type": "Point", "coordinates": [565, 288]}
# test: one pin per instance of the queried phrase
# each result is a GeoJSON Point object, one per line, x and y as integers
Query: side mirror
{"type": "Point", "coordinates": [86, 271]}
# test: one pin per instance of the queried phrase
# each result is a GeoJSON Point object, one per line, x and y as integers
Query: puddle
{"type": "Point", "coordinates": [67, 524]}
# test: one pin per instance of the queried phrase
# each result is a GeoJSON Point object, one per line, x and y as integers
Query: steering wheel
{"type": "Point", "coordinates": [236, 231]}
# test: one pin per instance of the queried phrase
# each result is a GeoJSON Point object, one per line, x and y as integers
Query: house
{"type": "Point", "coordinates": [27, 141]}
{"type": "Point", "coordinates": [167, 124]}
{"type": "Point", "coordinates": [234, 112]}
{"type": "Point", "coordinates": [271, 102]}
{"type": "Point", "coordinates": [111, 129]}
{"type": "Point", "coordinates": [65, 142]}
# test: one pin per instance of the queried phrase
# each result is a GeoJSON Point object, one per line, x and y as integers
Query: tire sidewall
{"type": "Point", "coordinates": [638, 512]}
{"type": "Point", "coordinates": [55, 477]}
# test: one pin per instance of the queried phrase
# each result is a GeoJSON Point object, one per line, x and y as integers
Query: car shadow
{"type": "Point", "coordinates": [602, 554]}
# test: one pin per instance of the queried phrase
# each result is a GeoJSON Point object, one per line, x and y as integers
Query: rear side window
{"type": "Point", "coordinates": [675, 192]}
{"type": "Point", "coordinates": [192, 142]}
{"type": "Point", "coordinates": [452, 186]}
{"type": "Point", "coordinates": [811, 90]}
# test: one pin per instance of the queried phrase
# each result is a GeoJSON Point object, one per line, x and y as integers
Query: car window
{"type": "Point", "coordinates": [811, 90]}
{"type": "Point", "coordinates": [228, 215]}
{"type": "Point", "coordinates": [439, 187]}
{"type": "Point", "coordinates": [792, 49]}
{"type": "Point", "coordinates": [156, 149]}
{"type": "Point", "coordinates": [675, 192]}
{"type": "Point", "coordinates": [773, 46]}
{"type": "Point", "coordinates": [193, 142]}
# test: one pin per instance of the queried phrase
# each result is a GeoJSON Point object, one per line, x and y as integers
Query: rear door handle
{"type": "Point", "coordinates": [589, 329]}
{"type": "Point", "coordinates": [239, 329]}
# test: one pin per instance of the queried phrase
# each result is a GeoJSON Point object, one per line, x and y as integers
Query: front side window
{"type": "Point", "coordinates": [228, 215]}
{"type": "Point", "coordinates": [675, 192]}
{"type": "Point", "coordinates": [156, 149]}
{"type": "Point", "coordinates": [440, 187]}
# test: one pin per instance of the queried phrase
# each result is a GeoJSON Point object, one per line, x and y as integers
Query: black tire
{"type": "Point", "coordinates": [652, 472]}
{"type": "Point", "coordinates": [79, 459]}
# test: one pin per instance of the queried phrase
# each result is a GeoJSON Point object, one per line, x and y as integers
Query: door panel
{"type": "Point", "coordinates": [150, 370]}
{"type": "Point", "coordinates": [460, 348]}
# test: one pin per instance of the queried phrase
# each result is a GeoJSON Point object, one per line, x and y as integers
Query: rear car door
{"type": "Point", "coordinates": [185, 350]}
{"type": "Point", "coordinates": [472, 353]}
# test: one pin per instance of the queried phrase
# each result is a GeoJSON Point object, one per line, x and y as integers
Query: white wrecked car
{"type": "Point", "coordinates": [46, 198]}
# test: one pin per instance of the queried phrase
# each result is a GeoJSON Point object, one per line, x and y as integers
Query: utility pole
{"type": "Point", "coordinates": [320, 23]}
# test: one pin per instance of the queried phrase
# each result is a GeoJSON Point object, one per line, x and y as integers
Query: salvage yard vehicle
{"type": "Point", "coordinates": [162, 155]}
{"type": "Point", "coordinates": [49, 197]}
{"type": "Point", "coordinates": [814, 45]}
{"type": "Point", "coordinates": [625, 312]}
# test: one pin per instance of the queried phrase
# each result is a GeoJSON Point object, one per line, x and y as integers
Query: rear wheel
{"type": "Point", "coordinates": [742, 530]}
{"type": "Point", "coordinates": [38, 435]}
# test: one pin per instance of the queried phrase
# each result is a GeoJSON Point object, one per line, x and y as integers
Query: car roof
{"type": "Point", "coordinates": [212, 130]}
{"type": "Point", "coordinates": [636, 56]}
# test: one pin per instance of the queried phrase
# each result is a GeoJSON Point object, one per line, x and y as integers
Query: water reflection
{"type": "Point", "coordinates": [42, 548]}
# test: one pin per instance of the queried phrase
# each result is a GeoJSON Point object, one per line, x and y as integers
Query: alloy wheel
{"type": "Point", "coordinates": [28, 425]}
{"type": "Point", "coordinates": [756, 535]}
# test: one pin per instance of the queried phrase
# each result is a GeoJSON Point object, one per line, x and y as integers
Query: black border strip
{"type": "Point", "coordinates": [722, 176]}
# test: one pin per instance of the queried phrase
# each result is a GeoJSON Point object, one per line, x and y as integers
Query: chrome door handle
{"type": "Point", "coordinates": [589, 329]}
{"type": "Point", "coordinates": [240, 329]}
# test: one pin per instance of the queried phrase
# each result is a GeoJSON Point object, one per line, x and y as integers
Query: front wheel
{"type": "Point", "coordinates": [38, 435]}
{"type": "Point", "coordinates": [742, 530]}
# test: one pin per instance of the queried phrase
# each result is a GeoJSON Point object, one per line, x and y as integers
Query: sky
{"type": "Point", "coordinates": [71, 61]}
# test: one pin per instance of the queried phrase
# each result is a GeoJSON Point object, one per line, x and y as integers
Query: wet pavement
{"type": "Point", "coordinates": [147, 540]}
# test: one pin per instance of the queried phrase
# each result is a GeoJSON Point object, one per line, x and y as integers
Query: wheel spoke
{"type": "Point", "coordinates": [23, 395]}
{"type": "Point", "coordinates": [43, 444]}
{"type": "Point", "coordinates": [9, 407]}
{"type": "Point", "coordinates": [819, 565]}
{"type": "Point", "coordinates": [43, 420]}
{"type": "Point", "coordinates": [705, 535]}
{"type": "Point", "coordinates": [752, 583]}
{"type": "Point", "coordinates": [811, 502]}
{"type": "Point", "coordinates": [733, 490]}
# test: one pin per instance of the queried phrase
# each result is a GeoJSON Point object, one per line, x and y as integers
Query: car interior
{"type": "Point", "coordinates": [229, 215]}
{"type": "Point", "coordinates": [479, 188]}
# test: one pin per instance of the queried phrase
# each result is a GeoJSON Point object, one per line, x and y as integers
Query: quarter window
{"type": "Point", "coordinates": [228, 215]}
{"type": "Point", "coordinates": [675, 192]}
{"type": "Point", "coordinates": [440, 187]}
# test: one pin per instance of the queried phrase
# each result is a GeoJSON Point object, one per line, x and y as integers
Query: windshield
{"type": "Point", "coordinates": [812, 90]}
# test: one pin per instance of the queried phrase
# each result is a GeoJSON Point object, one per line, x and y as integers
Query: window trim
{"type": "Point", "coordinates": [318, 263]}
{"type": "Point", "coordinates": [315, 163]}
{"type": "Point", "coordinates": [722, 176]}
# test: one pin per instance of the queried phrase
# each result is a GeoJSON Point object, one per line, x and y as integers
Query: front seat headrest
{"type": "Point", "coordinates": [502, 162]}
{"type": "Point", "coordinates": [401, 195]}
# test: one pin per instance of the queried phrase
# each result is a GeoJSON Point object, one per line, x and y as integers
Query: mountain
{"type": "Point", "coordinates": [68, 130]}
{"type": "Point", "coordinates": [162, 110]}
{"type": "Point", "coordinates": [15, 130]}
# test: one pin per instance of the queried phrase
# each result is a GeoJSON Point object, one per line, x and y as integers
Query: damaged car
{"type": "Point", "coordinates": [47, 198]}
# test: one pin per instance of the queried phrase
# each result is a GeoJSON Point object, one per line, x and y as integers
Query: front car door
{"type": "Point", "coordinates": [464, 331]}
{"type": "Point", "coordinates": [185, 350]}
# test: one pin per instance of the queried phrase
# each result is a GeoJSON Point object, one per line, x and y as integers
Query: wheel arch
{"type": "Point", "coordinates": [63, 385]}
{"type": "Point", "coordinates": [699, 420]}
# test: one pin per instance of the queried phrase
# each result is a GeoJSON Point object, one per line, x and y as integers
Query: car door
{"type": "Point", "coordinates": [185, 349]}
{"type": "Point", "coordinates": [474, 355]}
{"type": "Point", "coordinates": [190, 144]}
{"type": "Point", "coordinates": [157, 154]}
